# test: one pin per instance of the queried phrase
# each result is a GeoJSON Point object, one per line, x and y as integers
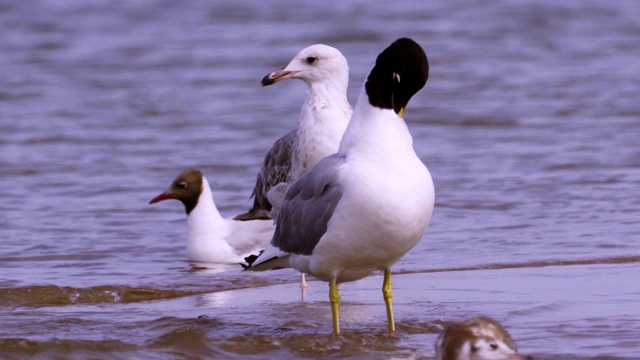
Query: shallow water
{"type": "Point", "coordinates": [529, 125]}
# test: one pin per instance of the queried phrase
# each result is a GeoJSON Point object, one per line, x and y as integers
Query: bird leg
{"type": "Point", "coordinates": [387, 292]}
{"type": "Point", "coordinates": [334, 297]}
{"type": "Point", "coordinates": [303, 288]}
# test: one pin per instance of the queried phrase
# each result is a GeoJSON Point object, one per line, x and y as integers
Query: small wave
{"type": "Point", "coordinates": [24, 347]}
{"type": "Point", "coordinates": [66, 257]}
{"type": "Point", "coordinates": [469, 205]}
{"type": "Point", "coordinates": [187, 341]}
{"type": "Point", "coordinates": [496, 121]}
{"type": "Point", "coordinates": [15, 96]}
{"type": "Point", "coordinates": [354, 344]}
{"type": "Point", "coordinates": [534, 264]}
{"type": "Point", "coordinates": [51, 295]}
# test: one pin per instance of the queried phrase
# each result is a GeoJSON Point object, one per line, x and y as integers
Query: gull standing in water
{"type": "Point", "coordinates": [365, 207]}
{"type": "Point", "coordinates": [212, 238]}
{"type": "Point", "coordinates": [323, 119]}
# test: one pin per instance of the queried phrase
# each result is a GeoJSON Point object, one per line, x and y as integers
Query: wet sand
{"type": "Point", "coordinates": [553, 312]}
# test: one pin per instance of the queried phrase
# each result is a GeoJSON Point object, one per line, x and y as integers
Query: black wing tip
{"type": "Point", "coordinates": [250, 260]}
{"type": "Point", "coordinates": [253, 214]}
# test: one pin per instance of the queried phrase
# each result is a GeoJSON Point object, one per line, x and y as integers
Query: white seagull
{"type": "Point", "coordinates": [365, 207]}
{"type": "Point", "coordinates": [322, 122]}
{"type": "Point", "coordinates": [479, 338]}
{"type": "Point", "coordinates": [212, 238]}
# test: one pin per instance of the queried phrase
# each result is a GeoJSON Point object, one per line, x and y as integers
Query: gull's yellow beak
{"type": "Point", "coordinates": [401, 113]}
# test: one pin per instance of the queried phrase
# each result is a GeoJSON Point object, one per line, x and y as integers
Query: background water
{"type": "Point", "coordinates": [529, 124]}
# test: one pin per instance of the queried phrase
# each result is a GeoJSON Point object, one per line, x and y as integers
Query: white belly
{"type": "Point", "coordinates": [379, 219]}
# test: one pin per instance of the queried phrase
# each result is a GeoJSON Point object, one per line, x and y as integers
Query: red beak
{"type": "Point", "coordinates": [163, 196]}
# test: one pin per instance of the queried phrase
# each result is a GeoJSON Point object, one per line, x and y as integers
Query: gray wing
{"type": "Point", "coordinates": [308, 207]}
{"type": "Point", "coordinates": [275, 169]}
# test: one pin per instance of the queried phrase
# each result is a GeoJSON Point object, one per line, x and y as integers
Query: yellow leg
{"type": "Point", "coordinates": [387, 292]}
{"type": "Point", "coordinates": [334, 297]}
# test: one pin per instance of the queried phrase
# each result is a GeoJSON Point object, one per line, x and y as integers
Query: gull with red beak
{"type": "Point", "coordinates": [212, 238]}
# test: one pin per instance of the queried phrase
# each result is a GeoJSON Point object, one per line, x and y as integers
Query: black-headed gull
{"type": "Point", "coordinates": [212, 238]}
{"type": "Point", "coordinates": [365, 207]}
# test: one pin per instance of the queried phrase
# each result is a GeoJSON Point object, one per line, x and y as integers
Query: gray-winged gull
{"type": "Point", "coordinates": [365, 207]}
{"type": "Point", "coordinates": [323, 119]}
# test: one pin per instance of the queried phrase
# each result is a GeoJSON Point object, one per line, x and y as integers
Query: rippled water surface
{"type": "Point", "coordinates": [529, 124]}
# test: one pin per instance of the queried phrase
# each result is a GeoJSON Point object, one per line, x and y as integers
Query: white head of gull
{"type": "Point", "coordinates": [365, 207]}
{"type": "Point", "coordinates": [479, 338]}
{"type": "Point", "coordinates": [212, 238]}
{"type": "Point", "coordinates": [323, 119]}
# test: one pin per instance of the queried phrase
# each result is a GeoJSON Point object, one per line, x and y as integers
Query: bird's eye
{"type": "Point", "coordinates": [474, 348]}
{"type": "Point", "coordinates": [396, 77]}
{"type": "Point", "coordinates": [182, 185]}
{"type": "Point", "coordinates": [493, 346]}
{"type": "Point", "coordinates": [311, 59]}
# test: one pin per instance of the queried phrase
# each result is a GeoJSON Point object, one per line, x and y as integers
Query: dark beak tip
{"type": "Point", "coordinates": [266, 81]}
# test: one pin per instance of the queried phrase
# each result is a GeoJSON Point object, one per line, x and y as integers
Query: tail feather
{"type": "Point", "coordinates": [270, 258]}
